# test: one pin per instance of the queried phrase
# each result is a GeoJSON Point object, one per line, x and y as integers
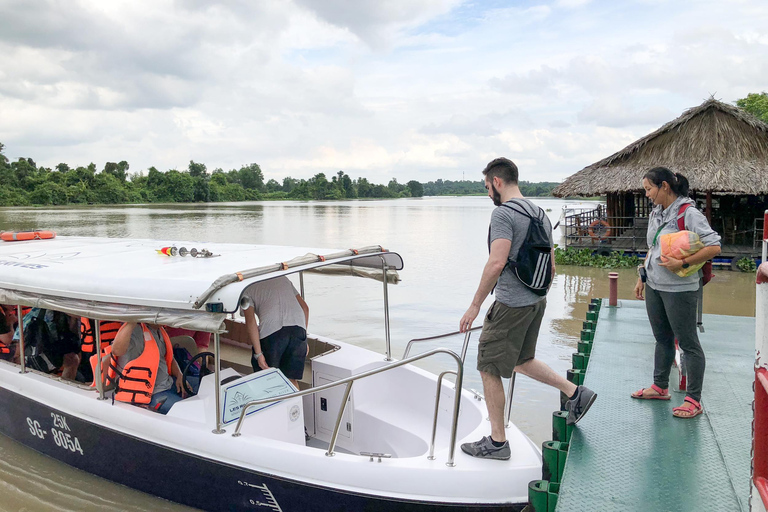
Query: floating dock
{"type": "Point", "coordinates": [633, 455]}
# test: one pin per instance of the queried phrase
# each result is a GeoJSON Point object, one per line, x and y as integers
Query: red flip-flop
{"type": "Point", "coordinates": [663, 394]}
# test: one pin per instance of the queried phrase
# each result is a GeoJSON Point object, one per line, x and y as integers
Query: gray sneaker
{"type": "Point", "coordinates": [579, 406]}
{"type": "Point", "coordinates": [485, 449]}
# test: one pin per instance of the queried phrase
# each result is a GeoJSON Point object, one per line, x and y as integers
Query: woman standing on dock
{"type": "Point", "coordinates": [671, 300]}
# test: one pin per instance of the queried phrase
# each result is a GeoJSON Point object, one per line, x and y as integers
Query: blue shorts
{"type": "Point", "coordinates": [285, 349]}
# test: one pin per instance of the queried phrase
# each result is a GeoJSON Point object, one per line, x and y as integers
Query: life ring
{"type": "Point", "coordinates": [599, 230]}
{"type": "Point", "coordinates": [39, 234]}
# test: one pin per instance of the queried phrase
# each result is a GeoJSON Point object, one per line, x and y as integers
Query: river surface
{"type": "Point", "coordinates": [443, 244]}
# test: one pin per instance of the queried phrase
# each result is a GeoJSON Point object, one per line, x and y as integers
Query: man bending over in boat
{"type": "Point", "coordinates": [508, 340]}
{"type": "Point", "coordinates": [136, 349]}
{"type": "Point", "coordinates": [279, 339]}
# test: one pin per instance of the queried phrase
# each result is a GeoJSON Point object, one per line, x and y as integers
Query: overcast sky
{"type": "Point", "coordinates": [411, 89]}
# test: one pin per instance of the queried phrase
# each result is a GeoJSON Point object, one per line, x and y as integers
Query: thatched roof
{"type": "Point", "coordinates": [718, 147]}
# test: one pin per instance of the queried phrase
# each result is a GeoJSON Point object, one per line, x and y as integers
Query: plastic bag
{"type": "Point", "coordinates": [681, 245]}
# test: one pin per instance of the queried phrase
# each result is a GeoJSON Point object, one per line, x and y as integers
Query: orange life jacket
{"type": "Point", "coordinates": [111, 375]}
{"type": "Point", "coordinates": [136, 382]}
{"type": "Point", "coordinates": [4, 349]}
{"type": "Point", "coordinates": [108, 332]}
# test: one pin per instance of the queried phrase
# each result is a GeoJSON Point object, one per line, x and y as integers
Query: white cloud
{"type": "Point", "coordinates": [416, 89]}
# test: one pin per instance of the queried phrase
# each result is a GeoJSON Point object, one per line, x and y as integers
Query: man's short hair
{"type": "Point", "coordinates": [503, 168]}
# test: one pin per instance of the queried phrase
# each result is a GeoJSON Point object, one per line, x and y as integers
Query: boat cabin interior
{"type": "Point", "coordinates": [389, 414]}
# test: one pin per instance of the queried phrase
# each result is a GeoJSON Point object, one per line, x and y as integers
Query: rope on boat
{"type": "Point", "coordinates": [228, 279]}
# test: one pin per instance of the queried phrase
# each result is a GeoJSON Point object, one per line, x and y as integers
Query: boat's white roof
{"type": "Point", "coordinates": [130, 272]}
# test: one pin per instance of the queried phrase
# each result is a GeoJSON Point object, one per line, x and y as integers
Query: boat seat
{"type": "Point", "coordinates": [187, 342]}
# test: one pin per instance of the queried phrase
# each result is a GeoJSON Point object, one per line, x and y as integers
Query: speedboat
{"type": "Point", "coordinates": [364, 430]}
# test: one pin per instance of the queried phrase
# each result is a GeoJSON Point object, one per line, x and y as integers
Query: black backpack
{"type": "Point", "coordinates": [533, 264]}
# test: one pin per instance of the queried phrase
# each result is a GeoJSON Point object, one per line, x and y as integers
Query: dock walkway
{"type": "Point", "coordinates": [633, 455]}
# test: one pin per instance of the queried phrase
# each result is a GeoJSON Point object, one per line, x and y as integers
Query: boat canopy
{"type": "Point", "coordinates": [130, 280]}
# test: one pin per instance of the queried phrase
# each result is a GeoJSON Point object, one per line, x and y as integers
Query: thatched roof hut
{"type": "Point", "coordinates": [720, 148]}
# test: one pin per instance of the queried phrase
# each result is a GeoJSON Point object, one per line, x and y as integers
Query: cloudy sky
{"type": "Point", "coordinates": [411, 89]}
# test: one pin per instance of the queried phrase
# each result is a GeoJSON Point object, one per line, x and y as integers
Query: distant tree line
{"type": "Point", "coordinates": [467, 187]}
{"type": "Point", "coordinates": [24, 183]}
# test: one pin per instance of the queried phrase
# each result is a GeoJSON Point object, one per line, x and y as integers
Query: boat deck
{"type": "Point", "coordinates": [633, 454]}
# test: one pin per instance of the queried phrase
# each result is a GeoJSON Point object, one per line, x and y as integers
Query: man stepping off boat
{"type": "Point", "coordinates": [520, 266]}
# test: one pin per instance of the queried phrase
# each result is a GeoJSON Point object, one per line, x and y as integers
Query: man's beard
{"type": "Point", "coordinates": [495, 196]}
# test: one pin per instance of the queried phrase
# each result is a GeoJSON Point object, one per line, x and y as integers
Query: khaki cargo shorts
{"type": "Point", "coordinates": [509, 337]}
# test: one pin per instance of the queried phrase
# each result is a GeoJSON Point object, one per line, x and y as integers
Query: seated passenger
{"type": "Point", "coordinates": [142, 359]}
{"type": "Point", "coordinates": [51, 342]}
{"type": "Point", "coordinates": [107, 332]}
{"type": "Point", "coordinates": [279, 339]}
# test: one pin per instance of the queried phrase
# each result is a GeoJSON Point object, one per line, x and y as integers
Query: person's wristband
{"type": "Point", "coordinates": [256, 356]}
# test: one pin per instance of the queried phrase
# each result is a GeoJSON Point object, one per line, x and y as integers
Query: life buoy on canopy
{"type": "Point", "coordinates": [599, 230]}
{"type": "Point", "coordinates": [38, 234]}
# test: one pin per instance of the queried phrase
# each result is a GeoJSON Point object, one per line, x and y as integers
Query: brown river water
{"type": "Point", "coordinates": [443, 244]}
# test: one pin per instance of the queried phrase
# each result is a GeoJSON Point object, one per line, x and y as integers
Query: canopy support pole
{"type": "Point", "coordinates": [386, 309]}
{"type": "Point", "coordinates": [217, 384]}
{"type": "Point", "coordinates": [97, 345]}
{"type": "Point", "coordinates": [301, 284]}
{"type": "Point", "coordinates": [20, 319]}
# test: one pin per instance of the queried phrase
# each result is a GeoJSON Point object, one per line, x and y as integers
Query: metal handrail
{"type": "Point", "coordinates": [510, 389]}
{"type": "Point", "coordinates": [439, 393]}
{"type": "Point", "coordinates": [430, 338]}
{"type": "Point", "coordinates": [349, 380]}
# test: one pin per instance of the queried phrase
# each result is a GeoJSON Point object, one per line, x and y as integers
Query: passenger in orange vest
{"type": "Point", "coordinates": [107, 332]}
{"type": "Point", "coordinates": [7, 351]}
{"type": "Point", "coordinates": [147, 374]}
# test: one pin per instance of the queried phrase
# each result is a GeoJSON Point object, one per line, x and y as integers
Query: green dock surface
{"type": "Point", "coordinates": [629, 454]}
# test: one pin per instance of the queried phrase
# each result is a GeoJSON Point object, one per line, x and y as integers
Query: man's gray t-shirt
{"type": "Point", "coordinates": [163, 381]}
{"type": "Point", "coordinates": [513, 226]}
{"type": "Point", "coordinates": [275, 304]}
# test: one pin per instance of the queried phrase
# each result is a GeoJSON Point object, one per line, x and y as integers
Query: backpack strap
{"type": "Point", "coordinates": [681, 216]}
{"type": "Point", "coordinates": [522, 210]}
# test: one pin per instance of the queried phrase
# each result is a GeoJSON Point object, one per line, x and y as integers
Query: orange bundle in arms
{"type": "Point", "coordinates": [681, 245]}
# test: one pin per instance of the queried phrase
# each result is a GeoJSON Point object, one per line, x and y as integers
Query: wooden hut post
{"type": "Point", "coordinates": [709, 207]}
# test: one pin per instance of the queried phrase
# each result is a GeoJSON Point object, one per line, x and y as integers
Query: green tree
{"type": "Point", "coordinates": [289, 184]}
{"type": "Point", "coordinates": [117, 170]}
{"type": "Point", "coordinates": [251, 177]}
{"type": "Point", "coordinates": [49, 193]}
{"type": "Point", "coordinates": [363, 188]}
{"type": "Point", "coordinates": [108, 189]}
{"type": "Point", "coordinates": [197, 170]}
{"type": "Point", "coordinates": [756, 104]}
{"type": "Point", "coordinates": [273, 186]}
{"type": "Point", "coordinates": [24, 171]}
{"type": "Point", "coordinates": [416, 188]}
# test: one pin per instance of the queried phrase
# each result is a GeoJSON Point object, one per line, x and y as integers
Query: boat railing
{"type": "Point", "coordinates": [465, 345]}
{"type": "Point", "coordinates": [350, 380]}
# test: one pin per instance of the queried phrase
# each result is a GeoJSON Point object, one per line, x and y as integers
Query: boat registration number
{"type": "Point", "coordinates": [59, 431]}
